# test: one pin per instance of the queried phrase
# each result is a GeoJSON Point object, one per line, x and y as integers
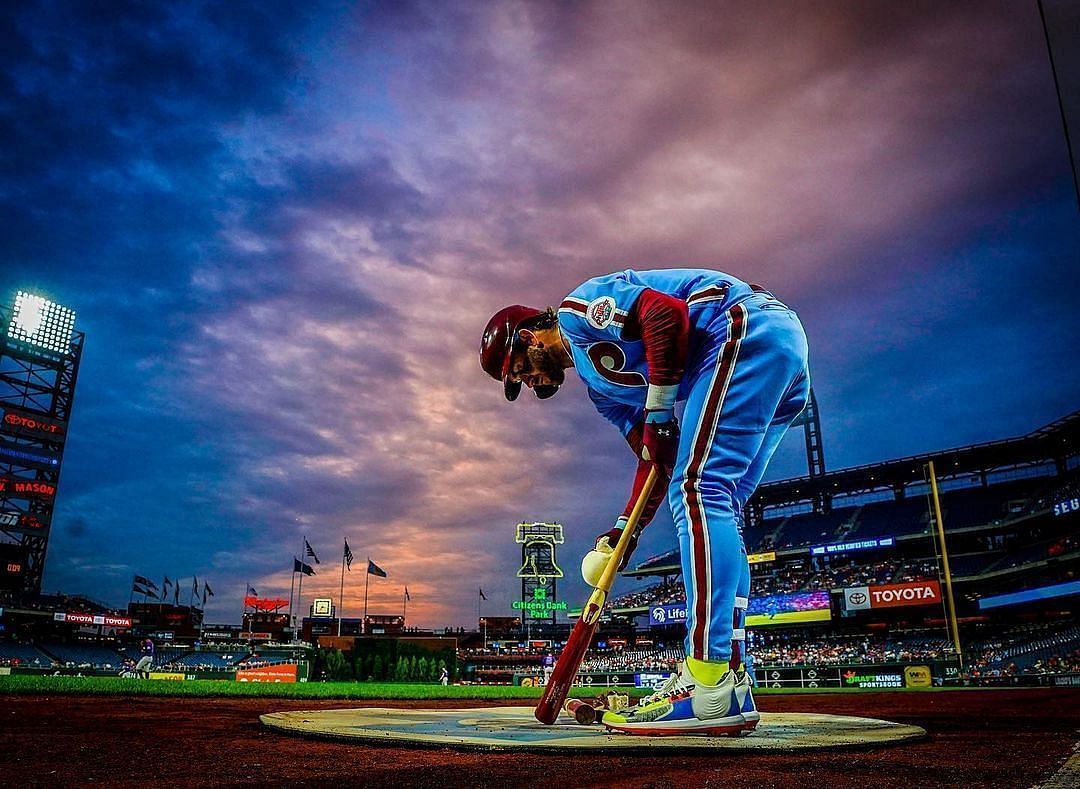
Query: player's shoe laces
{"type": "Point", "coordinates": [681, 706]}
{"type": "Point", "coordinates": [745, 696]}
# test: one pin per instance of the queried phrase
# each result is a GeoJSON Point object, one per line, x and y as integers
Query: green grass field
{"type": "Point", "coordinates": [114, 686]}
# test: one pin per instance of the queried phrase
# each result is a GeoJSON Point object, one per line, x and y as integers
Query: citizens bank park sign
{"type": "Point", "coordinates": [859, 598]}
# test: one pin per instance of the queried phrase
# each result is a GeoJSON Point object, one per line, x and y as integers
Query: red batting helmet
{"type": "Point", "coordinates": [499, 342]}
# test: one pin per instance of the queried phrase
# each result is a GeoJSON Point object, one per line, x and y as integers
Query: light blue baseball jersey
{"type": "Point", "coordinates": [614, 369]}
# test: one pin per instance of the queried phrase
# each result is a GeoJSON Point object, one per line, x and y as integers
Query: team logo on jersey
{"type": "Point", "coordinates": [601, 312]}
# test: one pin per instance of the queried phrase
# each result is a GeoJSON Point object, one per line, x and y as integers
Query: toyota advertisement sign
{"type": "Point", "coordinates": [861, 598]}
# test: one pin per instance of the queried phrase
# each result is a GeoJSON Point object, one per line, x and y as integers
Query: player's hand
{"type": "Point", "coordinates": [596, 560]}
{"type": "Point", "coordinates": [660, 439]}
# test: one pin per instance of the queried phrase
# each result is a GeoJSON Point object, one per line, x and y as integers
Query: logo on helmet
{"type": "Point", "coordinates": [601, 312]}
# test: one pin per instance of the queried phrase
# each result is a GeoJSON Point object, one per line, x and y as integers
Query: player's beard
{"type": "Point", "coordinates": [544, 361]}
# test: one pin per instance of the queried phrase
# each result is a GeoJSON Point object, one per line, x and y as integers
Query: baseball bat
{"type": "Point", "coordinates": [562, 677]}
{"type": "Point", "coordinates": [583, 712]}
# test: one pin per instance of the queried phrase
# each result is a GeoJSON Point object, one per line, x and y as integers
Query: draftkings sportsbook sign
{"type": "Point", "coordinates": [859, 598]}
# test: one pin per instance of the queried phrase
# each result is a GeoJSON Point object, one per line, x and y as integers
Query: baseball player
{"type": "Point", "coordinates": [142, 668]}
{"type": "Point", "coordinates": [736, 357]}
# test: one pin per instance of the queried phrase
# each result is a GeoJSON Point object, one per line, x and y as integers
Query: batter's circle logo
{"type": "Point", "coordinates": [857, 598]}
{"type": "Point", "coordinates": [601, 312]}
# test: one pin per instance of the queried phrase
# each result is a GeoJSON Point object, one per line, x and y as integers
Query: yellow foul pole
{"type": "Point", "coordinates": [950, 603]}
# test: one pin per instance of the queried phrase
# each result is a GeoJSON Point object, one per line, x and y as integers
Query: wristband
{"type": "Point", "coordinates": [661, 398]}
{"type": "Point", "coordinates": [620, 524]}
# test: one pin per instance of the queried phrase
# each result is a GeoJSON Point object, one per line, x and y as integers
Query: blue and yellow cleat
{"type": "Point", "coordinates": [681, 707]}
{"type": "Point", "coordinates": [744, 695]}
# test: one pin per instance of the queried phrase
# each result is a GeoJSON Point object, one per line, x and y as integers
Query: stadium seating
{"type": "Point", "coordinates": [891, 519]}
{"type": "Point", "coordinates": [208, 661]}
{"type": "Point", "coordinates": [1015, 557]}
{"type": "Point", "coordinates": [84, 655]}
{"type": "Point", "coordinates": [163, 656]}
{"type": "Point", "coordinates": [13, 653]}
{"type": "Point", "coordinates": [655, 594]}
{"type": "Point", "coordinates": [812, 529]}
{"type": "Point", "coordinates": [795, 649]}
{"type": "Point", "coordinates": [1040, 648]}
{"type": "Point", "coordinates": [968, 564]}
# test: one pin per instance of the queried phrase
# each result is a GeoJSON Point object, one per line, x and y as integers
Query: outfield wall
{"type": "Point", "coordinates": [922, 674]}
{"type": "Point", "coordinates": [279, 672]}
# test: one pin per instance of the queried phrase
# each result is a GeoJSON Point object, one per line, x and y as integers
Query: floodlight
{"type": "Point", "coordinates": [41, 323]}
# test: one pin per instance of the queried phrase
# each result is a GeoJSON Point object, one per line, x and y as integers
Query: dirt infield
{"type": "Point", "coordinates": [977, 738]}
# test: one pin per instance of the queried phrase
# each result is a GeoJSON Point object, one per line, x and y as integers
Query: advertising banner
{"type": "Point", "coordinates": [1029, 595]}
{"type": "Point", "coordinates": [24, 522]}
{"type": "Point", "coordinates": [913, 593]}
{"type": "Point", "coordinates": [264, 603]}
{"type": "Point", "coordinates": [760, 558]}
{"type": "Point", "coordinates": [775, 609]}
{"type": "Point", "coordinates": [861, 598]}
{"type": "Point", "coordinates": [871, 677]}
{"type": "Point", "coordinates": [670, 614]}
{"type": "Point", "coordinates": [918, 677]}
{"type": "Point", "coordinates": [857, 545]}
{"type": "Point", "coordinates": [30, 457]}
{"type": "Point", "coordinates": [74, 618]}
{"type": "Point", "coordinates": [169, 675]}
{"type": "Point", "coordinates": [857, 598]}
{"type": "Point", "coordinates": [283, 672]}
{"type": "Point", "coordinates": [1066, 506]}
{"type": "Point", "coordinates": [20, 488]}
{"type": "Point", "coordinates": [18, 422]}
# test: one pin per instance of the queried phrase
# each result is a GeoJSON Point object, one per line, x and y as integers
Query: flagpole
{"type": "Point", "coordinates": [300, 589]}
{"type": "Point", "coordinates": [404, 605]}
{"type": "Point", "coordinates": [367, 580]}
{"type": "Point", "coordinates": [292, 587]}
{"type": "Point", "coordinates": [341, 593]}
{"type": "Point", "coordinates": [479, 619]}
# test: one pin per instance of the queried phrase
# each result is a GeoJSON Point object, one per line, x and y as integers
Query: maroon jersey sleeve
{"type": "Point", "coordinates": [662, 323]}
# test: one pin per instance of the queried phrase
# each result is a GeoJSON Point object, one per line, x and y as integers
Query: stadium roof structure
{"type": "Point", "coordinates": [1056, 444]}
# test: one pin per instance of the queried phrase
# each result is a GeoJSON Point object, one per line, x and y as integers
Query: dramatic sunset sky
{"type": "Point", "coordinates": [284, 225]}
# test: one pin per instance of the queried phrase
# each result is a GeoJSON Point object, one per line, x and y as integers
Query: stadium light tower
{"type": "Point", "coordinates": [39, 362]}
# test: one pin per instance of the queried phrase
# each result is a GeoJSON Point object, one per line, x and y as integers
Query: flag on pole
{"type": "Point", "coordinates": [206, 591]}
{"type": "Point", "coordinates": [374, 569]}
{"type": "Point", "coordinates": [140, 589]}
{"type": "Point", "coordinates": [300, 567]}
{"type": "Point", "coordinates": [309, 552]}
{"type": "Point", "coordinates": [482, 595]}
{"type": "Point", "coordinates": [145, 582]}
{"type": "Point", "coordinates": [348, 555]}
{"type": "Point", "coordinates": [165, 587]}
{"type": "Point", "coordinates": [176, 592]}
{"type": "Point", "coordinates": [407, 598]}
{"type": "Point", "coordinates": [252, 592]}
{"type": "Point", "coordinates": [195, 587]}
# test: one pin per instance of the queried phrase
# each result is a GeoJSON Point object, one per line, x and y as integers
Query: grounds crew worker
{"type": "Point", "coordinates": [642, 341]}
